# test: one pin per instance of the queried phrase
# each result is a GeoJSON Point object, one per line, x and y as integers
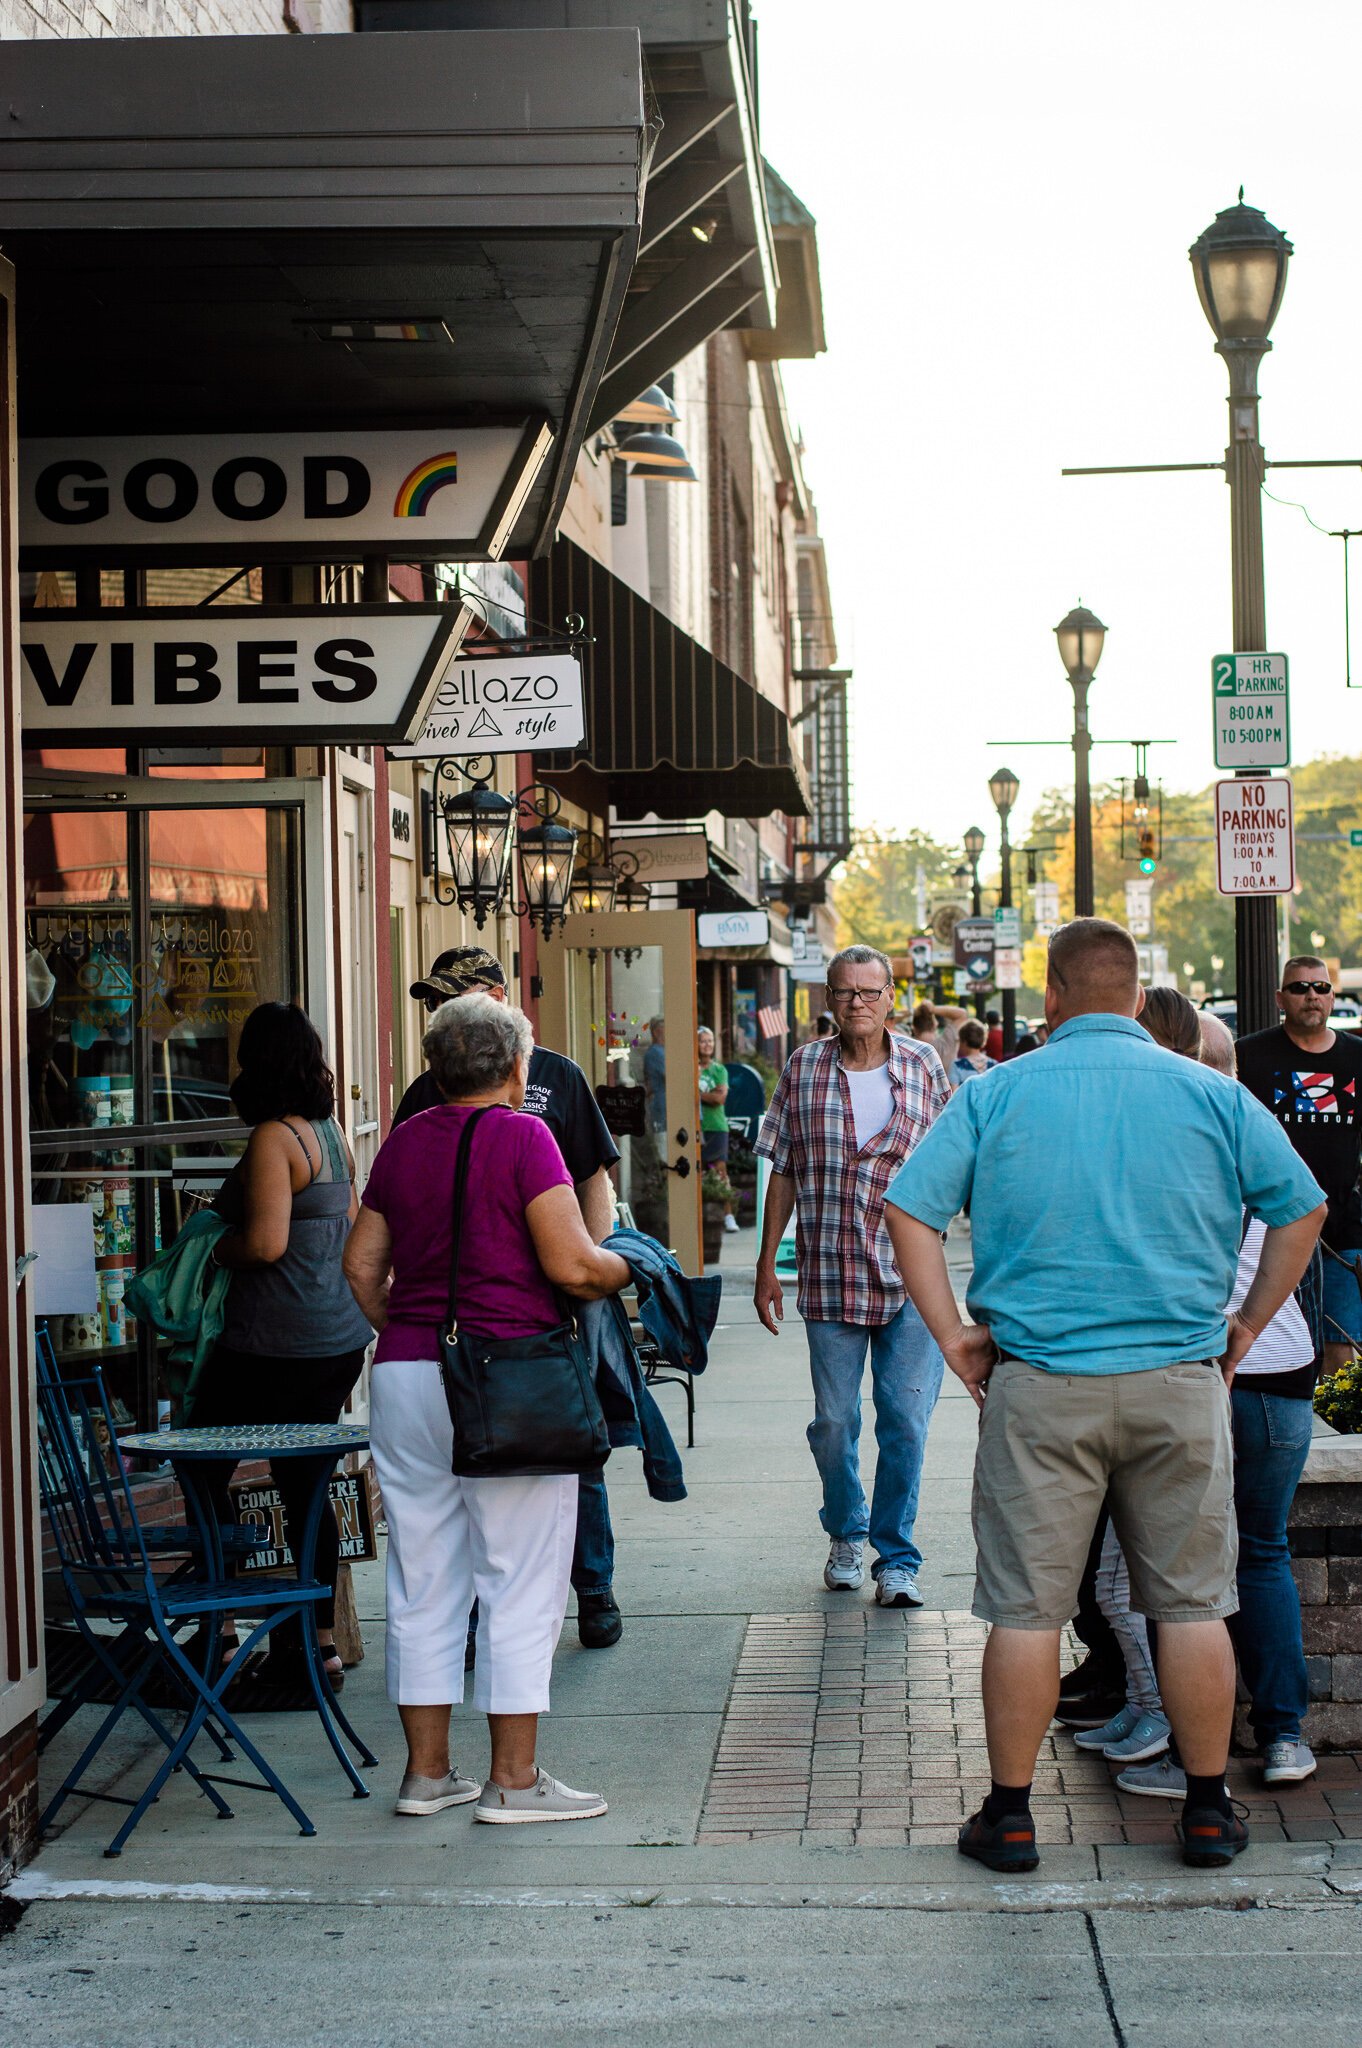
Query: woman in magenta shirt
{"type": "Point", "coordinates": [505, 1542]}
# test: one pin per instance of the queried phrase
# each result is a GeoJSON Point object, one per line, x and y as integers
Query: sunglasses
{"type": "Point", "coordinates": [1307, 988]}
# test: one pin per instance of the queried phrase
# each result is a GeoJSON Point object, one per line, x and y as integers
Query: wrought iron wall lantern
{"type": "Point", "coordinates": [606, 881]}
{"type": "Point", "coordinates": [484, 832]}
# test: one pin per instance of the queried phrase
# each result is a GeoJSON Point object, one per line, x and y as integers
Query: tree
{"type": "Point", "coordinates": [875, 896]}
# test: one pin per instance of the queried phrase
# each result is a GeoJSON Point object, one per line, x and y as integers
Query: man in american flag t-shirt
{"type": "Point", "coordinates": [1310, 1077]}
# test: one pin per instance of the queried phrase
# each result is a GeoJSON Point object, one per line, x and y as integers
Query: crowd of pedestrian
{"type": "Point", "coordinates": [1146, 1317]}
{"type": "Point", "coordinates": [1143, 1237]}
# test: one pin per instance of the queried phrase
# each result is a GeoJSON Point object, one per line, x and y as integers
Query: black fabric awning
{"type": "Point", "coordinates": [674, 730]}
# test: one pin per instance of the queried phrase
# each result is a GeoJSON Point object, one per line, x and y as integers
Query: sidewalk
{"type": "Point", "coordinates": [762, 1743]}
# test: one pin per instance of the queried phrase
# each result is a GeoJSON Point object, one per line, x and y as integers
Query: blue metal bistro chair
{"type": "Point", "coordinates": [128, 1599]}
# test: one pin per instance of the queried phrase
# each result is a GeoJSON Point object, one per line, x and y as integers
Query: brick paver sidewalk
{"type": "Point", "coordinates": [865, 1726]}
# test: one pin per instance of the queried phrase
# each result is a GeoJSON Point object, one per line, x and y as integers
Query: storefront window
{"type": "Point", "coordinates": [209, 764]}
{"type": "Point", "coordinates": [152, 934]}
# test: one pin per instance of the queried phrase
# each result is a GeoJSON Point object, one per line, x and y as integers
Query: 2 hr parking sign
{"type": "Point", "coordinates": [1252, 708]}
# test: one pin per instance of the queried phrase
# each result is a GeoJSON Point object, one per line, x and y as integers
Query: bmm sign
{"type": "Point", "coordinates": [1255, 843]}
{"type": "Point", "coordinates": [358, 673]}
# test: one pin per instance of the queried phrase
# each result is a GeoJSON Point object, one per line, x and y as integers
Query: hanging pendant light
{"type": "Point", "coordinates": [547, 850]}
{"type": "Point", "coordinates": [478, 831]}
{"type": "Point", "coordinates": [652, 408]}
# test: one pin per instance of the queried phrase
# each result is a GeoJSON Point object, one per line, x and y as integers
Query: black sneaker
{"type": "Point", "coordinates": [1092, 1672]}
{"type": "Point", "coordinates": [1006, 1844]}
{"type": "Point", "coordinates": [1090, 1709]}
{"type": "Point", "coordinates": [599, 1621]}
{"type": "Point", "coordinates": [1210, 1839]}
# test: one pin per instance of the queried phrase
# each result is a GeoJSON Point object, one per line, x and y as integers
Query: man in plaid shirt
{"type": "Point", "coordinates": [846, 1113]}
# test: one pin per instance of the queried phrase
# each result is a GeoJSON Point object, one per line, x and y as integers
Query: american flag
{"type": "Point", "coordinates": [772, 1021]}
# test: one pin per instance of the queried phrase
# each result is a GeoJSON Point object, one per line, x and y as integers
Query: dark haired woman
{"type": "Point", "coordinates": [294, 1341]}
{"type": "Point", "coordinates": [1172, 1021]}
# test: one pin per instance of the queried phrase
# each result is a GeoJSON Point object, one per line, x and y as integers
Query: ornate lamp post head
{"type": "Point", "coordinates": [1003, 786]}
{"type": "Point", "coordinates": [1081, 636]}
{"type": "Point", "coordinates": [1240, 265]}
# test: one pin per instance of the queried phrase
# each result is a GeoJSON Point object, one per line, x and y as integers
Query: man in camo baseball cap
{"type": "Point", "coordinates": [457, 973]}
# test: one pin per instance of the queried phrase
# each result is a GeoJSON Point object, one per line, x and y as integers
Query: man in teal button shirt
{"type": "Point", "coordinates": [1107, 1182]}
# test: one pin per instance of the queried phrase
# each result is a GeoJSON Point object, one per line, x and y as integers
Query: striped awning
{"type": "Point", "coordinates": [676, 731]}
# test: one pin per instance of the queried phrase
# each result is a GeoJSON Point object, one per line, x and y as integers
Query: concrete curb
{"type": "Point", "coordinates": [1312, 1874]}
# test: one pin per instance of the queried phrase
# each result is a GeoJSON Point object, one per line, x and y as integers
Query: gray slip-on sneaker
{"type": "Point", "coordinates": [1288, 1762]}
{"type": "Point", "coordinates": [433, 1795]}
{"type": "Point", "coordinates": [545, 1799]}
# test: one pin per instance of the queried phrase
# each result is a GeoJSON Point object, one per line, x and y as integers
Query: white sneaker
{"type": "Point", "coordinates": [896, 1587]}
{"type": "Point", "coordinates": [433, 1795]}
{"type": "Point", "coordinates": [843, 1572]}
{"type": "Point", "coordinates": [545, 1799]}
{"type": "Point", "coordinates": [1288, 1762]}
{"type": "Point", "coordinates": [730, 1223]}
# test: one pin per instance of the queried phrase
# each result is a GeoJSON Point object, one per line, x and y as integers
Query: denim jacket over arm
{"type": "Point", "coordinates": [678, 1314]}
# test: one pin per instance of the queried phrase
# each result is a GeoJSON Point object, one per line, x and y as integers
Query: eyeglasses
{"type": "Point", "coordinates": [1307, 988]}
{"type": "Point", "coordinates": [848, 996]}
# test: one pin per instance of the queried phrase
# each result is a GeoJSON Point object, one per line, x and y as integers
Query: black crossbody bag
{"type": "Point", "coordinates": [521, 1406]}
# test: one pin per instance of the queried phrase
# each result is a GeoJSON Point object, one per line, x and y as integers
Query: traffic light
{"type": "Point", "coordinates": [1149, 859]}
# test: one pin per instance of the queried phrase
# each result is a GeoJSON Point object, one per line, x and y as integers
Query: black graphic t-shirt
{"type": "Point", "coordinates": [1317, 1099]}
{"type": "Point", "coordinates": [557, 1090]}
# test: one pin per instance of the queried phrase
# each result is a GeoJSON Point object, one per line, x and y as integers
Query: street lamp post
{"type": "Point", "coordinates": [974, 846]}
{"type": "Point", "coordinates": [1081, 636]}
{"type": "Point", "coordinates": [1240, 267]}
{"type": "Point", "coordinates": [1003, 786]}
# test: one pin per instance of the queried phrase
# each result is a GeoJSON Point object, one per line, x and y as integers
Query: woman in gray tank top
{"type": "Point", "coordinates": [293, 1342]}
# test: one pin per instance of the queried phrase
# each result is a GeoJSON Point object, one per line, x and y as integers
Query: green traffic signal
{"type": "Point", "coordinates": [1149, 866]}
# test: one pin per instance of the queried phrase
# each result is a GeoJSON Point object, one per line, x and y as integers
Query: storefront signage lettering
{"type": "Point", "coordinates": [733, 928]}
{"type": "Point", "coordinates": [522, 704]}
{"type": "Point", "coordinates": [357, 673]}
{"type": "Point", "coordinates": [418, 496]}
{"type": "Point", "coordinates": [667, 856]}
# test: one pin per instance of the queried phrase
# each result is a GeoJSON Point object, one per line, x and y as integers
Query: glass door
{"type": "Point", "coordinates": [157, 917]}
{"type": "Point", "coordinates": [619, 998]}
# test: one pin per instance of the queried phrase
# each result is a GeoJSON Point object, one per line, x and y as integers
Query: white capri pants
{"type": "Point", "coordinates": [505, 1542]}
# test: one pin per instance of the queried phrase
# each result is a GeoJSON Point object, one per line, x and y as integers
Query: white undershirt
{"type": "Point", "coordinates": [1285, 1343]}
{"type": "Point", "coordinates": [872, 1102]}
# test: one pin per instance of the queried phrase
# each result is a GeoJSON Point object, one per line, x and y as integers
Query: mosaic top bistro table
{"type": "Point", "coordinates": [189, 1451]}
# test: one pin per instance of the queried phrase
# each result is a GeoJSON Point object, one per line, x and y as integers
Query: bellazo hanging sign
{"type": "Point", "coordinates": [356, 673]}
{"type": "Point", "coordinates": [503, 704]}
{"type": "Point", "coordinates": [439, 494]}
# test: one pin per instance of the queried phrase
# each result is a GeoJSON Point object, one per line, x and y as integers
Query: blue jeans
{"type": "Point", "coordinates": [593, 1557]}
{"type": "Point", "coordinates": [1271, 1438]}
{"type": "Point", "coordinates": [905, 1370]}
{"type": "Point", "coordinates": [1342, 1301]}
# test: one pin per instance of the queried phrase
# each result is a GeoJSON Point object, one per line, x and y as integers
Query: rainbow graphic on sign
{"type": "Point", "coordinates": [420, 487]}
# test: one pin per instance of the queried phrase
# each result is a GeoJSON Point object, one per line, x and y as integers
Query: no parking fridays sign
{"type": "Point", "coordinates": [1255, 840]}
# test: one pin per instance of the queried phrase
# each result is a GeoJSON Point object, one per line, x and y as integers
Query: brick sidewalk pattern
{"type": "Point", "coordinates": [866, 1726]}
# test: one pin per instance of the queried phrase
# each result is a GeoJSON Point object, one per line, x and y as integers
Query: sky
{"type": "Point", "coordinates": [1005, 198]}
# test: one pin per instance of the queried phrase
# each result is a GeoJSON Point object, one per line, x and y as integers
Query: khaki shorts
{"type": "Point", "coordinates": [1053, 1446]}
